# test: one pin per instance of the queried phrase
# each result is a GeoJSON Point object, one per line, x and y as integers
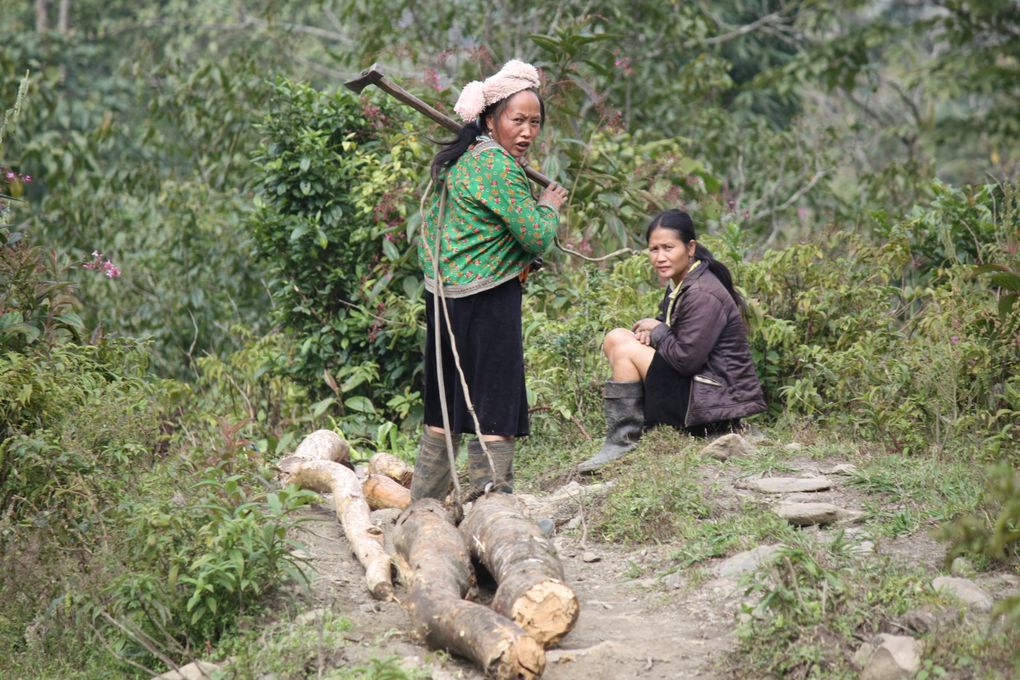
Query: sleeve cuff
{"type": "Point", "coordinates": [658, 333]}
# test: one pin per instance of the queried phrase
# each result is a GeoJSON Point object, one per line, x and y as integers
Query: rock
{"type": "Point", "coordinates": [747, 561]}
{"type": "Point", "coordinates": [793, 446]}
{"type": "Point", "coordinates": [564, 503]}
{"type": "Point", "coordinates": [197, 670]}
{"type": "Point", "coordinates": [728, 446]}
{"type": "Point", "coordinates": [789, 484]}
{"type": "Point", "coordinates": [573, 522]}
{"type": "Point", "coordinates": [841, 469]}
{"type": "Point", "coordinates": [889, 657]}
{"type": "Point", "coordinates": [806, 514]}
{"type": "Point", "coordinates": [961, 566]}
{"type": "Point", "coordinates": [862, 548]}
{"type": "Point", "coordinates": [546, 526]}
{"type": "Point", "coordinates": [920, 621]}
{"type": "Point", "coordinates": [385, 516]}
{"type": "Point", "coordinates": [673, 581]}
{"type": "Point", "coordinates": [965, 590]}
{"type": "Point", "coordinates": [312, 616]}
{"type": "Point", "coordinates": [589, 556]}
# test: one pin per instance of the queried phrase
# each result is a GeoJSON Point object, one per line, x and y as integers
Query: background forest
{"type": "Point", "coordinates": [207, 250]}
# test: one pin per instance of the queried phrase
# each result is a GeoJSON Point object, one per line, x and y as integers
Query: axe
{"type": "Point", "coordinates": [373, 75]}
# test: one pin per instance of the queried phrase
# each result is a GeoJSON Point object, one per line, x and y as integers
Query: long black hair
{"type": "Point", "coordinates": [682, 225]}
{"type": "Point", "coordinates": [455, 148]}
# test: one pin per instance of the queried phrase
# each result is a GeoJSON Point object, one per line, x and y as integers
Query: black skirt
{"type": "Point", "coordinates": [667, 394]}
{"type": "Point", "coordinates": [487, 332]}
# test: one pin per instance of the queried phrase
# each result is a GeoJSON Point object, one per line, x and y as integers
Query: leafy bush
{"type": "Point", "coordinates": [199, 558]}
{"type": "Point", "coordinates": [332, 225]}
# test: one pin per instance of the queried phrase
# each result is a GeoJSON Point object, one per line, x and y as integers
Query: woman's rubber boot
{"type": "Point", "coordinates": [479, 472]}
{"type": "Point", "coordinates": [624, 407]}
{"type": "Point", "coordinates": [432, 468]}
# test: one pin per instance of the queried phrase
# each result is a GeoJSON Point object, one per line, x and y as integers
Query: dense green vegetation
{"type": "Point", "coordinates": [207, 250]}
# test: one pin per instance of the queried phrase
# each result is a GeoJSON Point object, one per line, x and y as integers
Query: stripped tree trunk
{"type": "Point", "coordinates": [435, 563]}
{"type": "Point", "coordinates": [387, 464]}
{"type": "Point", "coordinates": [318, 471]}
{"type": "Point", "coordinates": [383, 492]}
{"type": "Point", "coordinates": [532, 589]}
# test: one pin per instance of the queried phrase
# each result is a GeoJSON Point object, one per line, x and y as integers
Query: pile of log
{"type": "Point", "coordinates": [532, 608]}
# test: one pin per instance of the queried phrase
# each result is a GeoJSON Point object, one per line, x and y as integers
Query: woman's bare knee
{"type": "Point", "coordinates": [614, 340]}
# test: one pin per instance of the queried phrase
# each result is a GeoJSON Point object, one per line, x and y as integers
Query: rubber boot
{"type": "Point", "coordinates": [479, 472]}
{"type": "Point", "coordinates": [624, 407]}
{"type": "Point", "coordinates": [432, 468]}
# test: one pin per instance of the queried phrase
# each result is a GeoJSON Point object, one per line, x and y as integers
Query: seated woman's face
{"type": "Point", "coordinates": [517, 126]}
{"type": "Point", "coordinates": [670, 257]}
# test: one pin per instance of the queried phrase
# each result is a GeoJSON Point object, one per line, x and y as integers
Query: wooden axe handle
{"type": "Point", "coordinates": [373, 75]}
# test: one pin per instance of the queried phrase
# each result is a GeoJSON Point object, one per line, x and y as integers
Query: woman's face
{"type": "Point", "coordinates": [518, 124]}
{"type": "Point", "coordinates": [670, 256]}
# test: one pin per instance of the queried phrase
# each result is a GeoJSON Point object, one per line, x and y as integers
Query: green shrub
{"type": "Point", "coordinates": [332, 225]}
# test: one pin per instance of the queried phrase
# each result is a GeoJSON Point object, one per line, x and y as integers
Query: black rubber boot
{"type": "Point", "coordinates": [624, 407]}
{"type": "Point", "coordinates": [479, 472]}
{"type": "Point", "coordinates": [432, 468]}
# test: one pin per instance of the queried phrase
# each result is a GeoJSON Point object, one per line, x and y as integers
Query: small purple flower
{"type": "Point", "coordinates": [27, 179]}
{"type": "Point", "coordinates": [954, 340]}
{"type": "Point", "coordinates": [10, 176]}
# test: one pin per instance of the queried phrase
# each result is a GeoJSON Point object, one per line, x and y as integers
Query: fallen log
{"type": "Point", "coordinates": [365, 539]}
{"type": "Point", "coordinates": [383, 492]}
{"type": "Point", "coordinates": [435, 563]}
{"type": "Point", "coordinates": [321, 445]}
{"type": "Point", "coordinates": [383, 463]}
{"type": "Point", "coordinates": [532, 588]}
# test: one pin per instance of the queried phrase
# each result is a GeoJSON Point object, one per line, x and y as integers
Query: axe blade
{"type": "Point", "coordinates": [370, 76]}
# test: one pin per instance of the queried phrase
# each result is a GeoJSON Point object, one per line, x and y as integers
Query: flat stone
{"type": "Point", "coordinates": [891, 657]}
{"type": "Point", "coordinates": [806, 514]}
{"type": "Point", "coordinates": [965, 590]}
{"type": "Point", "coordinates": [789, 484]}
{"type": "Point", "coordinates": [197, 670]}
{"type": "Point", "coordinates": [589, 556]}
{"type": "Point", "coordinates": [747, 561]}
{"type": "Point", "coordinates": [920, 620]}
{"type": "Point", "coordinates": [841, 469]}
{"type": "Point", "coordinates": [312, 616]}
{"type": "Point", "coordinates": [728, 446]}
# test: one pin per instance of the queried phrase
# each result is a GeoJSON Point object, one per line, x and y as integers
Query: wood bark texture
{"type": "Point", "coordinates": [436, 565]}
{"type": "Point", "coordinates": [365, 539]}
{"type": "Point", "coordinates": [383, 492]}
{"type": "Point", "coordinates": [387, 464]}
{"type": "Point", "coordinates": [532, 588]}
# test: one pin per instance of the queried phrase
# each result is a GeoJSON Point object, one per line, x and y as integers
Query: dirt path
{"type": "Point", "coordinates": [628, 628]}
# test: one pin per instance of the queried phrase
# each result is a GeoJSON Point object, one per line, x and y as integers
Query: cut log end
{"type": "Point", "coordinates": [383, 492]}
{"type": "Point", "coordinates": [547, 611]}
{"type": "Point", "coordinates": [523, 659]}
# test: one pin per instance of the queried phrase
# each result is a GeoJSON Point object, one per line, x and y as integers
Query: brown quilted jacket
{"type": "Point", "coordinates": [707, 341]}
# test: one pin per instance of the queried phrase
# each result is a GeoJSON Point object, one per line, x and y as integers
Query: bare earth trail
{"type": "Point", "coordinates": [628, 628]}
{"type": "Point", "coordinates": [637, 619]}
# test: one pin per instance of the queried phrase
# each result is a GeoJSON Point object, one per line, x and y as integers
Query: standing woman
{"type": "Point", "coordinates": [484, 228]}
{"type": "Point", "coordinates": [689, 367]}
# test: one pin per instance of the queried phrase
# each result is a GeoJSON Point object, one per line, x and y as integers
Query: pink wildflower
{"type": "Point", "coordinates": [27, 179]}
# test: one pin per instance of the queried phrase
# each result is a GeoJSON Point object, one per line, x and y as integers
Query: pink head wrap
{"type": "Point", "coordinates": [511, 79]}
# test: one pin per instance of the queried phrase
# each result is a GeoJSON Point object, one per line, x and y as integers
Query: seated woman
{"type": "Point", "coordinates": [690, 367]}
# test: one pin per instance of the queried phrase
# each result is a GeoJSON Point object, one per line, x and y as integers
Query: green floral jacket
{"type": "Point", "coordinates": [493, 226]}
